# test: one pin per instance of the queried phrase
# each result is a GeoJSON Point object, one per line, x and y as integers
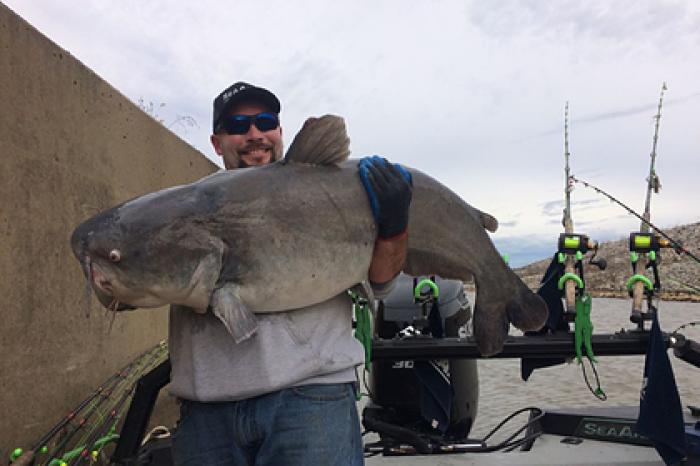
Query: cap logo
{"type": "Point", "coordinates": [231, 92]}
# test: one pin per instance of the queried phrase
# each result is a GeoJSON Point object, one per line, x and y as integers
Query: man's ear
{"type": "Point", "coordinates": [216, 143]}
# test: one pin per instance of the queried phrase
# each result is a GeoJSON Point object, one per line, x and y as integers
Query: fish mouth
{"type": "Point", "coordinates": [103, 288]}
{"type": "Point", "coordinates": [100, 280]}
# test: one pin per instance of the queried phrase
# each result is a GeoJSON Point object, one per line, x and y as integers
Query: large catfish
{"type": "Point", "coordinates": [289, 235]}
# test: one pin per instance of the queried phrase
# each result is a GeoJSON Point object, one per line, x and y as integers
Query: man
{"type": "Point", "coordinates": [286, 395]}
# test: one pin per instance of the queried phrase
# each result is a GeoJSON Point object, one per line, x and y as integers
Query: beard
{"type": "Point", "coordinates": [276, 154]}
{"type": "Point", "coordinates": [234, 160]}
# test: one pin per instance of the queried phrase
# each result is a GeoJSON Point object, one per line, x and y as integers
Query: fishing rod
{"type": "Point", "coordinates": [89, 439]}
{"type": "Point", "coordinates": [642, 243]}
{"type": "Point", "coordinates": [58, 451]}
{"type": "Point", "coordinates": [21, 457]}
{"type": "Point", "coordinates": [41, 445]}
{"type": "Point", "coordinates": [567, 221]}
{"type": "Point", "coordinates": [104, 431]}
{"type": "Point", "coordinates": [665, 241]}
{"type": "Point", "coordinates": [571, 249]}
{"type": "Point", "coordinates": [573, 246]}
{"type": "Point", "coordinates": [107, 429]}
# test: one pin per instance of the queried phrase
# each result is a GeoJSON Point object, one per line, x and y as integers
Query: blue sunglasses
{"type": "Point", "coordinates": [240, 124]}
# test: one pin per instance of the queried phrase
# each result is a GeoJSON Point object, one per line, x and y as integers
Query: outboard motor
{"type": "Point", "coordinates": [410, 399]}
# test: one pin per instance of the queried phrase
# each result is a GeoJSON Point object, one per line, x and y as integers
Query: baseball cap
{"type": "Point", "coordinates": [240, 92]}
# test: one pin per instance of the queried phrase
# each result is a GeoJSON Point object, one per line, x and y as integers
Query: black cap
{"type": "Point", "coordinates": [241, 92]}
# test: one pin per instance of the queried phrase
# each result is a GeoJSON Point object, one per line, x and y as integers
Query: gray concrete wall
{"type": "Point", "coordinates": [70, 146]}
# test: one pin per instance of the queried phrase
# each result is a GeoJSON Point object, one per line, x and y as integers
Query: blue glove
{"type": "Point", "coordinates": [389, 188]}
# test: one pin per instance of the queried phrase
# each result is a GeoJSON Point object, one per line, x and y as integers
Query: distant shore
{"type": "Point", "coordinates": [663, 295]}
{"type": "Point", "coordinates": [679, 296]}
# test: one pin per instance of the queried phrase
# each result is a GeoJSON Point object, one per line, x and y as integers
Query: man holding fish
{"type": "Point", "coordinates": [237, 251]}
{"type": "Point", "coordinates": [286, 393]}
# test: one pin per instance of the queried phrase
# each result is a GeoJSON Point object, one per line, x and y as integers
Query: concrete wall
{"type": "Point", "coordinates": [70, 146]}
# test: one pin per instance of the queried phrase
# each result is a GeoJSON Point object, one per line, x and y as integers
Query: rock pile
{"type": "Point", "coordinates": [679, 274]}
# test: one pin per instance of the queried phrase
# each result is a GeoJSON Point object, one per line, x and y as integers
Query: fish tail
{"type": "Point", "coordinates": [527, 310]}
{"type": "Point", "coordinates": [490, 320]}
{"type": "Point", "coordinates": [495, 309]}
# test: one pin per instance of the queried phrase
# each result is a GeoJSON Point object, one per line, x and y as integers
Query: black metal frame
{"type": "Point", "coordinates": [558, 345]}
{"type": "Point", "coordinates": [140, 410]}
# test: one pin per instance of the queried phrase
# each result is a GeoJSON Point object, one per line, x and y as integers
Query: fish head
{"type": "Point", "coordinates": [144, 259]}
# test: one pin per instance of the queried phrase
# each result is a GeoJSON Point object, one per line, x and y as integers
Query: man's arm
{"type": "Point", "coordinates": [389, 188]}
{"type": "Point", "coordinates": [388, 259]}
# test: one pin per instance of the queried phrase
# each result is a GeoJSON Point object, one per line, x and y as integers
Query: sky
{"type": "Point", "coordinates": [470, 92]}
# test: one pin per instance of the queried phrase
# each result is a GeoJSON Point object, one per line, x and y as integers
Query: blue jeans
{"type": "Point", "coordinates": [308, 425]}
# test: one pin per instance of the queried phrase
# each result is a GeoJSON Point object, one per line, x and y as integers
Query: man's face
{"type": "Point", "coordinates": [251, 149]}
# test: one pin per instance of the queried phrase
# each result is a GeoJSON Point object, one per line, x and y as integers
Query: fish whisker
{"type": "Point", "coordinates": [112, 319]}
{"type": "Point", "coordinates": [87, 266]}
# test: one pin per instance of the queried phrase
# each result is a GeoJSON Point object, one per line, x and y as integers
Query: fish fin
{"type": "Point", "coordinates": [236, 317]}
{"type": "Point", "coordinates": [321, 141]}
{"type": "Point", "coordinates": [488, 221]}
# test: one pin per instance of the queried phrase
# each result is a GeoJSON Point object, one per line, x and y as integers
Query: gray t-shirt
{"type": "Point", "coordinates": [298, 347]}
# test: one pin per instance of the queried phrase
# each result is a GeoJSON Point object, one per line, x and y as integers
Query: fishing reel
{"type": "Point", "coordinates": [573, 245]}
{"type": "Point", "coordinates": [644, 243]}
{"type": "Point", "coordinates": [578, 245]}
{"type": "Point", "coordinates": [651, 245]}
{"type": "Point", "coordinates": [648, 244]}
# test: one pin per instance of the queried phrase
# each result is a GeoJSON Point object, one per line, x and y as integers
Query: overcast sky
{"type": "Point", "coordinates": [470, 92]}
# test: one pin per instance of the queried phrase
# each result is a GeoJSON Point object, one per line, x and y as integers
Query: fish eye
{"type": "Point", "coordinates": [115, 255]}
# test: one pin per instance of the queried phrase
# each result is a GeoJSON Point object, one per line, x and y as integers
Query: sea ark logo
{"type": "Point", "coordinates": [610, 430]}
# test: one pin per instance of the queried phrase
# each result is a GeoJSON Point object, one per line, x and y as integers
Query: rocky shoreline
{"type": "Point", "coordinates": [679, 274]}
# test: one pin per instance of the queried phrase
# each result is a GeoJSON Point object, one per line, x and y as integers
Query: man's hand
{"type": "Point", "coordinates": [389, 188]}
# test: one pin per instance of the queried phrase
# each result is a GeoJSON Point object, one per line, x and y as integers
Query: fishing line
{"type": "Point", "coordinates": [682, 283]}
{"type": "Point", "coordinates": [686, 325]}
{"type": "Point", "coordinates": [677, 246]}
{"type": "Point", "coordinates": [598, 391]}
